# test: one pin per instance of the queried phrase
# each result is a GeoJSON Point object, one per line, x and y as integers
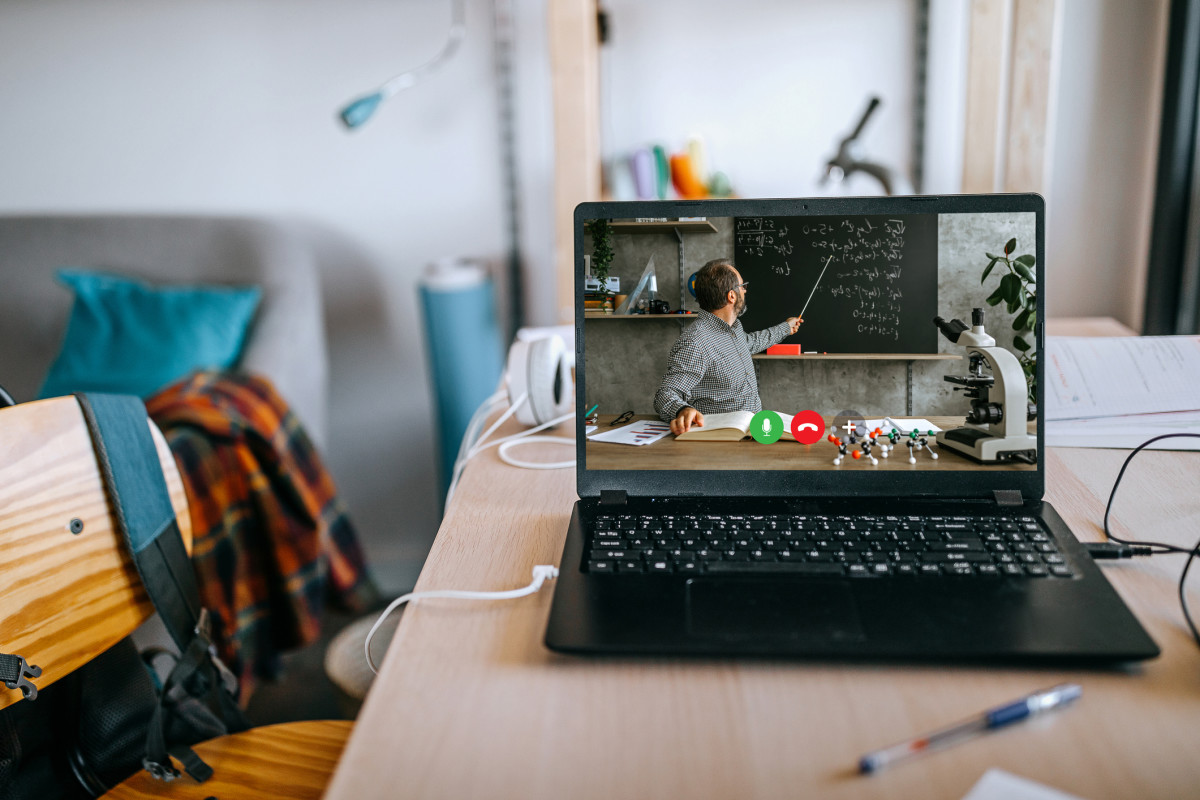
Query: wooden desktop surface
{"type": "Point", "coordinates": [669, 453]}
{"type": "Point", "coordinates": [470, 704]}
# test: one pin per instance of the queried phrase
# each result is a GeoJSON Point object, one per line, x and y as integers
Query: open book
{"type": "Point", "coordinates": [730, 427]}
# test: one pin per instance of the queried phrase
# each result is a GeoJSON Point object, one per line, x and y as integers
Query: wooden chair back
{"type": "Point", "coordinates": [68, 588]}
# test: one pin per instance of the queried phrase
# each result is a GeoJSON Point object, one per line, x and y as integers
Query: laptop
{"type": "Point", "coordinates": [871, 483]}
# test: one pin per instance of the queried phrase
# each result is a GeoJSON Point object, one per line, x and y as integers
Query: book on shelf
{"type": "Point", "coordinates": [730, 427]}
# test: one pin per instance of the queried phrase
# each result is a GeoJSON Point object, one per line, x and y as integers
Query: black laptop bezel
{"type": "Point", "coordinates": [973, 484]}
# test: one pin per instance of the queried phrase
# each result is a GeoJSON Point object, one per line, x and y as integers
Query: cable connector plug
{"type": "Point", "coordinates": [543, 573]}
{"type": "Point", "coordinates": [1112, 550]}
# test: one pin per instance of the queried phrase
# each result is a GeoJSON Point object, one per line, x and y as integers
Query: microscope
{"type": "Point", "coordinates": [995, 429]}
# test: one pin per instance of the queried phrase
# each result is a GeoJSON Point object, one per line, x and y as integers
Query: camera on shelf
{"type": "Point", "coordinates": [660, 307]}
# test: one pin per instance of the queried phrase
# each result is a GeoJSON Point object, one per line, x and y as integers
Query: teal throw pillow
{"type": "Point", "coordinates": [128, 337]}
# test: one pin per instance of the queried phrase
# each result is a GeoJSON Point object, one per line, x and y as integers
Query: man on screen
{"type": "Point", "coordinates": [709, 370]}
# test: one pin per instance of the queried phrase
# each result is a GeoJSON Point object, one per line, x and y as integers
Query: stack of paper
{"type": "Point", "coordinates": [1120, 391]}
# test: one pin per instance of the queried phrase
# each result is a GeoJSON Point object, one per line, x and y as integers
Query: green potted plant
{"type": "Point", "coordinates": [1018, 291]}
{"type": "Point", "coordinates": [602, 251]}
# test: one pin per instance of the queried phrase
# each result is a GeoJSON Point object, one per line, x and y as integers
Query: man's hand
{"type": "Point", "coordinates": [685, 419]}
{"type": "Point", "coordinates": [794, 323]}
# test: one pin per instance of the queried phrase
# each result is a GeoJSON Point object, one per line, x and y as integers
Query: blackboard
{"type": "Point", "coordinates": [879, 294]}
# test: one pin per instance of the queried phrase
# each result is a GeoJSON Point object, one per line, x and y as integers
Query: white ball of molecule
{"type": "Point", "coordinates": [874, 461]}
{"type": "Point", "coordinates": [837, 461]}
{"type": "Point", "coordinates": [912, 459]}
{"type": "Point", "coordinates": [933, 454]}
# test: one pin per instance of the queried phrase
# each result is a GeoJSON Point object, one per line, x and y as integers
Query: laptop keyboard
{"type": "Point", "coordinates": [825, 546]}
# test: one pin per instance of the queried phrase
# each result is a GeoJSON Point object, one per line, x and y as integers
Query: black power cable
{"type": "Point", "coordinates": [1151, 548]}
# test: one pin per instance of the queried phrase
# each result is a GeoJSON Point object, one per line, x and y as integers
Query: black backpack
{"type": "Point", "coordinates": [100, 724]}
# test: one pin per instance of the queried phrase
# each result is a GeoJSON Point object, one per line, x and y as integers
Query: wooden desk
{"type": "Point", "coordinates": [470, 704]}
{"type": "Point", "coordinates": [668, 453]}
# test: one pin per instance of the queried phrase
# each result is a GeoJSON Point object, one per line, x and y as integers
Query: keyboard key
{"type": "Point", "coordinates": [956, 558]}
{"type": "Point", "coordinates": [631, 566]}
{"type": "Point", "coordinates": [962, 545]}
{"type": "Point", "coordinates": [660, 566]}
{"type": "Point", "coordinates": [774, 568]}
{"type": "Point", "coordinates": [601, 566]}
{"type": "Point", "coordinates": [1061, 570]}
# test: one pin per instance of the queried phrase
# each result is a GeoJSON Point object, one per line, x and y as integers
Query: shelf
{"type": "Point", "coordinates": [602, 315]}
{"type": "Point", "coordinates": [688, 226]}
{"type": "Point", "coordinates": [867, 357]}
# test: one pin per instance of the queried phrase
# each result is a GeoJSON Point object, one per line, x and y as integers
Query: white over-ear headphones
{"type": "Point", "coordinates": [539, 369]}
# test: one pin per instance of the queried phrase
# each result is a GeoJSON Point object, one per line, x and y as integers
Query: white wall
{"type": "Point", "coordinates": [1099, 202]}
{"type": "Point", "coordinates": [771, 87]}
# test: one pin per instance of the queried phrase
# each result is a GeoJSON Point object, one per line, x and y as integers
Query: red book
{"type": "Point", "coordinates": [783, 350]}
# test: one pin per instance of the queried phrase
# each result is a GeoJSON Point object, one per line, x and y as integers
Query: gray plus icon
{"type": "Point", "coordinates": [850, 427]}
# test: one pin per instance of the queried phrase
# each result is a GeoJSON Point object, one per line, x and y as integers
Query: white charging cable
{"type": "Point", "coordinates": [471, 446]}
{"type": "Point", "coordinates": [541, 573]}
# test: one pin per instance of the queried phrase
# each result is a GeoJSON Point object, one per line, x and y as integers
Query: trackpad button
{"type": "Point", "coordinates": [810, 610]}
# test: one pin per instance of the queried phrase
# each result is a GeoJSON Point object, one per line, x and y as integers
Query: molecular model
{"type": "Point", "coordinates": [863, 447]}
{"type": "Point", "coordinates": [916, 441]}
{"type": "Point", "coordinates": [866, 445]}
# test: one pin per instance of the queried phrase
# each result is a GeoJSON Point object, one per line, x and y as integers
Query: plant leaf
{"type": "Point", "coordinates": [1032, 322]}
{"type": "Point", "coordinates": [1027, 260]}
{"type": "Point", "coordinates": [996, 296]}
{"type": "Point", "coordinates": [987, 270]}
{"type": "Point", "coordinates": [1011, 285]}
{"type": "Point", "coordinates": [1020, 344]}
{"type": "Point", "coordinates": [1021, 322]}
{"type": "Point", "coordinates": [992, 257]}
{"type": "Point", "coordinates": [1012, 245]}
{"type": "Point", "coordinates": [1023, 271]}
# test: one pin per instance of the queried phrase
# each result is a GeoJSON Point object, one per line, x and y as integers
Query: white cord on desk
{"type": "Point", "coordinates": [541, 573]}
{"type": "Point", "coordinates": [471, 447]}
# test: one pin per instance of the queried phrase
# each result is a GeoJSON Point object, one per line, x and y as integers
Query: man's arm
{"type": "Point", "coordinates": [685, 367]}
{"type": "Point", "coordinates": [761, 340]}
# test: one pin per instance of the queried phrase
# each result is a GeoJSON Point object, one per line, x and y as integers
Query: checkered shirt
{"type": "Point", "coordinates": [710, 368]}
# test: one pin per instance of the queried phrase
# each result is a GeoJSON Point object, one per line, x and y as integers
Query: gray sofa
{"type": "Point", "coordinates": [287, 339]}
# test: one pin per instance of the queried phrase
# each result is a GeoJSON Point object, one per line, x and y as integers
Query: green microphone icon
{"type": "Point", "coordinates": [766, 427]}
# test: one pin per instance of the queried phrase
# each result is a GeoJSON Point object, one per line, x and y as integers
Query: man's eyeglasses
{"type": "Point", "coordinates": [742, 285]}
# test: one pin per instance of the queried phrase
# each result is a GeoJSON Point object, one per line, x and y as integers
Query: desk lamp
{"type": "Point", "coordinates": [358, 111]}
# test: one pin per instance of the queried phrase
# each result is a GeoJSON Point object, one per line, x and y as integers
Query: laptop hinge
{"type": "Point", "coordinates": [612, 497]}
{"type": "Point", "coordinates": [1008, 497]}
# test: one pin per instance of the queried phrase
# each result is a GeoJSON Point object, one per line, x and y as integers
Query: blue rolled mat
{"type": "Point", "coordinates": [462, 335]}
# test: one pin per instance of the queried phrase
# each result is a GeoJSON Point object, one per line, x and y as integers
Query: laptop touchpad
{"type": "Point", "coordinates": [801, 610]}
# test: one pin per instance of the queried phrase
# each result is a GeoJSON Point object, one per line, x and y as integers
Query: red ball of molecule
{"type": "Point", "coordinates": [856, 454]}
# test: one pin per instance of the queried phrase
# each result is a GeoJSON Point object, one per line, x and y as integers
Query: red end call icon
{"type": "Point", "coordinates": [807, 427]}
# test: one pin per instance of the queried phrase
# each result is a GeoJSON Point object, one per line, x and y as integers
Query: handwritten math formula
{"type": "Point", "coordinates": [866, 299]}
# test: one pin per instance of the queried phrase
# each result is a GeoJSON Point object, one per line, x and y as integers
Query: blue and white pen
{"type": "Point", "coordinates": [1024, 708]}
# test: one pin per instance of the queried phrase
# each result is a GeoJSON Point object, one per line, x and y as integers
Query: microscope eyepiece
{"type": "Point", "coordinates": [952, 329]}
{"type": "Point", "coordinates": [977, 317]}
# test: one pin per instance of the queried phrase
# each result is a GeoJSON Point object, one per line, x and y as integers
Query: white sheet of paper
{"type": "Point", "coordinates": [644, 431]}
{"type": "Point", "coordinates": [590, 429]}
{"type": "Point", "coordinates": [996, 784]}
{"type": "Point", "coordinates": [1107, 376]}
{"type": "Point", "coordinates": [909, 425]}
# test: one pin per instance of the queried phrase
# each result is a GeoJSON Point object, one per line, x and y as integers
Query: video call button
{"type": "Point", "coordinates": [808, 427]}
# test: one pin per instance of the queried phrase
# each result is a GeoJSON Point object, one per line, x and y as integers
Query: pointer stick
{"type": "Point", "coordinates": [815, 285]}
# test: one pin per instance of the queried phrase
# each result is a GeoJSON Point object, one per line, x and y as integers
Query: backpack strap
{"type": "Point", "coordinates": [137, 493]}
{"type": "Point", "coordinates": [15, 672]}
{"type": "Point", "coordinates": [141, 506]}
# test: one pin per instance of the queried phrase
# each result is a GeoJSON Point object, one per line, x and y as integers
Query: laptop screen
{"type": "Point", "coordinates": [880, 337]}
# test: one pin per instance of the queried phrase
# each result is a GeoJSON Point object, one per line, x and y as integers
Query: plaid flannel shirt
{"type": "Point", "coordinates": [710, 368]}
